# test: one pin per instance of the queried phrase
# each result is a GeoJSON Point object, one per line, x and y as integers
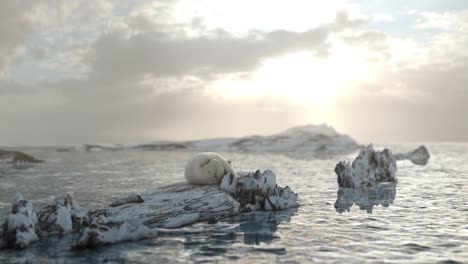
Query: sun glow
{"type": "Point", "coordinates": [301, 77]}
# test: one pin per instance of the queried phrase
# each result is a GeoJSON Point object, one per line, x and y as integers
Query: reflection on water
{"type": "Point", "coordinates": [366, 198]}
{"type": "Point", "coordinates": [256, 230]}
{"type": "Point", "coordinates": [258, 227]}
{"type": "Point", "coordinates": [201, 242]}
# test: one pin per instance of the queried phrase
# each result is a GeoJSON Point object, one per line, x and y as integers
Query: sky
{"type": "Point", "coordinates": [74, 72]}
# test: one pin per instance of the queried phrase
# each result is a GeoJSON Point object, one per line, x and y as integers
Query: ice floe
{"type": "Point", "coordinates": [139, 216]}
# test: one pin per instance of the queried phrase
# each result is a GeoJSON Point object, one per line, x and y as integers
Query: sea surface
{"type": "Point", "coordinates": [421, 219]}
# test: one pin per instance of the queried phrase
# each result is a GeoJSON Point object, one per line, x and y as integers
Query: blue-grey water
{"type": "Point", "coordinates": [421, 219]}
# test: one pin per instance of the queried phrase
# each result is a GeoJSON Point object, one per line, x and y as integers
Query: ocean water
{"type": "Point", "coordinates": [421, 219]}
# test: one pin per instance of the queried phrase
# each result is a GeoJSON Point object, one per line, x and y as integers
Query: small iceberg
{"type": "Point", "coordinates": [370, 180]}
{"type": "Point", "coordinates": [371, 166]}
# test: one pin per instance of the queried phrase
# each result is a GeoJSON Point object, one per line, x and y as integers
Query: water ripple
{"type": "Point", "coordinates": [422, 219]}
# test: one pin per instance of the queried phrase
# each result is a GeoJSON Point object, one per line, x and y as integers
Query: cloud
{"type": "Point", "coordinates": [420, 103]}
{"type": "Point", "coordinates": [452, 21]}
{"type": "Point", "coordinates": [160, 53]}
{"type": "Point", "coordinates": [133, 72]}
{"type": "Point", "coordinates": [137, 87]}
{"type": "Point", "coordinates": [15, 25]}
{"type": "Point", "coordinates": [129, 114]}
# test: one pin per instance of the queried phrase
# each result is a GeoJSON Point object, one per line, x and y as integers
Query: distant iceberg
{"type": "Point", "coordinates": [304, 142]}
{"type": "Point", "coordinates": [16, 157]}
{"type": "Point", "coordinates": [301, 142]}
{"type": "Point", "coordinates": [419, 156]}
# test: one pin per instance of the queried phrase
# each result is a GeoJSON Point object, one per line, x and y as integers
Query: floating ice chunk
{"type": "Point", "coordinates": [419, 156]}
{"type": "Point", "coordinates": [367, 169]}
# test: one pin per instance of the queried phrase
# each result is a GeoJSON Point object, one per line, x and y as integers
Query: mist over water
{"type": "Point", "coordinates": [422, 218]}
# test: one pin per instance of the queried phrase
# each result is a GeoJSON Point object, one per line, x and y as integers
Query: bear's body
{"type": "Point", "coordinates": [207, 168]}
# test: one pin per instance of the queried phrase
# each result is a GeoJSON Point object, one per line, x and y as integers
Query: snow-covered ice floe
{"type": "Point", "coordinates": [371, 166]}
{"type": "Point", "coordinates": [140, 216]}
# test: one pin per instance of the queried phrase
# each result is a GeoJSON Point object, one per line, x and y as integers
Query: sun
{"type": "Point", "coordinates": [301, 77]}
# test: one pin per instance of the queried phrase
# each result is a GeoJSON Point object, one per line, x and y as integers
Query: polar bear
{"type": "Point", "coordinates": [207, 168]}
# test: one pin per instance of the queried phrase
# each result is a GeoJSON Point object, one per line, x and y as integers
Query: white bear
{"type": "Point", "coordinates": [207, 168]}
